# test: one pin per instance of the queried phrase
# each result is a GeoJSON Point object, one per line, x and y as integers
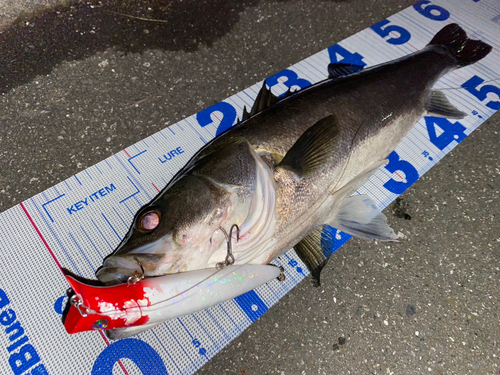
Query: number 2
{"type": "Point", "coordinates": [204, 117]}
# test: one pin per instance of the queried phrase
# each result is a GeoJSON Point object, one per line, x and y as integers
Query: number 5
{"type": "Point", "coordinates": [404, 35]}
{"type": "Point", "coordinates": [481, 94]}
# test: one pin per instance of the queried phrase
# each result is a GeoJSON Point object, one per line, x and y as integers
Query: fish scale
{"type": "Point", "coordinates": [226, 321]}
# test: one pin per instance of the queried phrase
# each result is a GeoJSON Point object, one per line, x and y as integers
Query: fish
{"type": "Point", "coordinates": [286, 174]}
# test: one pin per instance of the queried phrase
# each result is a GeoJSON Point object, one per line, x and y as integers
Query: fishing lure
{"type": "Point", "coordinates": [144, 303]}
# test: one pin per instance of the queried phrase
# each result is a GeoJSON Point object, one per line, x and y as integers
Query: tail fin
{"type": "Point", "coordinates": [466, 51]}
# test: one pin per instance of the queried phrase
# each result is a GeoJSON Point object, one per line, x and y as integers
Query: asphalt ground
{"type": "Point", "coordinates": [81, 83]}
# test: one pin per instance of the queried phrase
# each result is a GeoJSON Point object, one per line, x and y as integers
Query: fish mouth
{"type": "Point", "coordinates": [119, 269]}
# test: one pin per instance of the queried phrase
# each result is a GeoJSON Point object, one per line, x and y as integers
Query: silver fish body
{"type": "Point", "coordinates": [291, 167]}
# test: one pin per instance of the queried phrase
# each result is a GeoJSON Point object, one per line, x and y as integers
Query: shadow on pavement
{"type": "Point", "coordinates": [30, 47]}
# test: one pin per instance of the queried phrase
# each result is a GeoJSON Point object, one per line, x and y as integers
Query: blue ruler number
{"type": "Point", "coordinates": [394, 166]}
{"type": "Point", "coordinates": [228, 112]}
{"type": "Point", "coordinates": [451, 131]}
{"type": "Point", "coordinates": [482, 93]}
{"type": "Point", "coordinates": [381, 29]}
{"type": "Point", "coordinates": [431, 11]}
{"type": "Point", "coordinates": [141, 353]}
{"type": "Point", "coordinates": [294, 264]}
{"type": "Point", "coordinates": [292, 80]}
{"type": "Point", "coordinates": [339, 54]}
{"type": "Point", "coordinates": [197, 345]}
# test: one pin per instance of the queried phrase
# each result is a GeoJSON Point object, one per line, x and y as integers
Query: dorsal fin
{"type": "Point", "coordinates": [315, 249]}
{"type": "Point", "coordinates": [246, 114]}
{"type": "Point", "coordinates": [265, 99]}
{"type": "Point", "coordinates": [288, 93]}
{"type": "Point", "coordinates": [336, 70]}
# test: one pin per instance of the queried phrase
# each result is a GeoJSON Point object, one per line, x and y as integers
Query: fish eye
{"type": "Point", "coordinates": [149, 221]}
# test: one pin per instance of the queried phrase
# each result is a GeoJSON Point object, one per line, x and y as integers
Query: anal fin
{"type": "Point", "coordinates": [438, 105]}
{"type": "Point", "coordinates": [315, 249]}
{"type": "Point", "coordinates": [359, 216]}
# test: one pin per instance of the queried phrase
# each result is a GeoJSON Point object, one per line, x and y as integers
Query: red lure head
{"type": "Point", "coordinates": [91, 308]}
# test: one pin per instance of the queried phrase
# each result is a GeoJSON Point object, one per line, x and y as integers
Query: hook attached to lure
{"type": "Point", "coordinates": [137, 276]}
{"type": "Point", "coordinates": [229, 257]}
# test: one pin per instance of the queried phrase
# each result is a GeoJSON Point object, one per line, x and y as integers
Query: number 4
{"type": "Point", "coordinates": [450, 131]}
{"type": "Point", "coordinates": [346, 57]}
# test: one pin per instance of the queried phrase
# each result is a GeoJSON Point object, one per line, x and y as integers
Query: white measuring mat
{"type": "Point", "coordinates": [76, 223]}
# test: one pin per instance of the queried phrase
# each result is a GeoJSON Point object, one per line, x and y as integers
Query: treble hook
{"type": "Point", "coordinates": [229, 257]}
{"type": "Point", "coordinates": [137, 276]}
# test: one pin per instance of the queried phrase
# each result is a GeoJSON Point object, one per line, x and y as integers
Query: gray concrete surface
{"type": "Point", "coordinates": [79, 84]}
{"type": "Point", "coordinates": [11, 10]}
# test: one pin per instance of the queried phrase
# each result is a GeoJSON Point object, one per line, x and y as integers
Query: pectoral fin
{"type": "Point", "coordinates": [359, 216]}
{"type": "Point", "coordinates": [315, 249]}
{"type": "Point", "coordinates": [438, 105]}
{"type": "Point", "coordinates": [313, 148]}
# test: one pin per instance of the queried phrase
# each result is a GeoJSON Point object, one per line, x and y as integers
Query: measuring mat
{"type": "Point", "coordinates": [78, 222]}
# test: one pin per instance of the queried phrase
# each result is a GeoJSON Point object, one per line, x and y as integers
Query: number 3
{"type": "Point", "coordinates": [292, 79]}
{"type": "Point", "coordinates": [396, 164]}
